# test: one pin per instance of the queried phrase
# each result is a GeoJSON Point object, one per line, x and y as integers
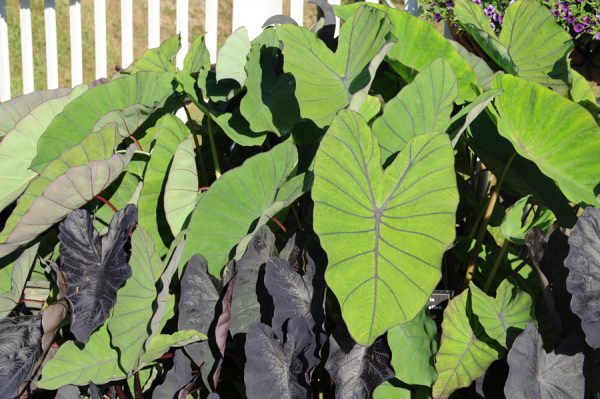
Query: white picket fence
{"type": "Point", "coordinates": [248, 13]}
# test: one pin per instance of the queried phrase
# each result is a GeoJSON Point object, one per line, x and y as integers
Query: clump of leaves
{"type": "Point", "coordinates": [380, 213]}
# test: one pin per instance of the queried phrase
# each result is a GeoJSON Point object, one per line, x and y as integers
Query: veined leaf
{"type": "Point", "coordinates": [531, 44]}
{"type": "Point", "coordinates": [419, 44]}
{"type": "Point", "coordinates": [19, 146]}
{"type": "Point", "coordinates": [197, 59]}
{"type": "Point", "coordinates": [581, 90]}
{"type": "Point", "coordinates": [219, 222]}
{"type": "Point", "coordinates": [389, 391]}
{"type": "Point", "coordinates": [478, 65]}
{"type": "Point", "coordinates": [423, 106]}
{"type": "Point", "coordinates": [533, 373]}
{"type": "Point", "coordinates": [94, 267]}
{"type": "Point", "coordinates": [13, 278]}
{"type": "Point", "coordinates": [170, 131]}
{"type": "Point", "coordinates": [80, 117]}
{"type": "Point", "coordinates": [67, 183]}
{"type": "Point", "coordinates": [370, 107]}
{"type": "Point", "coordinates": [506, 315]}
{"type": "Point", "coordinates": [161, 343]}
{"type": "Point", "coordinates": [413, 346]}
{"type": "Point", "coordinates": [356, 369]}
{"type": "Point", "coordinates": [11, 112]}
{"type": "Point", "coordinates": [583, 281]}
{"type": "Point", "coordinates": [158, 59]}
{"type": "Point", "coordinates": [128, 325]}
{"type": "Point", "coordinates": [325, 87]}
{"type": "Point", "coordinates": [232, 57]}
{"type": "Point", "coordinates": [181, 191]}
{"type": "Point", "coordinates": [520, 218]}
{"type": "Point", "coordinates": [384, 232]}
{"type": "Point", "coordinates": [561, 137]}
{"type": "Point", "coordinates": [462, 356]}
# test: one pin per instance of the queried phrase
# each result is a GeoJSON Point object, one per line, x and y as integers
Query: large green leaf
{"type": "Point", "coordinates": [181, 190]}
{"type": "Point", "coordinates": [13, 278]}
{"type": "Point", "coordinates": [11, 112]}
{"type": "Point", "coordinates": [239, 202]}
{"type": "Point", "coordinates": [505, 316]}
{"type": "Point", "coordinates": [232, 57]}
{"type": "Point", "coordinates": [462, 356]}
{"type": "Point", "coordinates": [269, 104]}
{"type": "Point", "coordinates": [158, 59]}
{"type": "Point", "coordinates": [389, 391]}
{"type": "Point", "coordinates": [581, 90]}
{"type": "Point", "coordinates": [531, 44]}
{"type": "Point", "coordinates": [423, 106]}
{"type": "Point", "coordinates": [419, 44]}
{"type": "Point", "coordinates": [384, 232]}
{"type": "Point", "coordinates": [560, 136]}
{"type": "Point", "coordinates": [139, 94]}
{"type": "Point", "coordinates": [128, 325]}
{"type": "Point", "coordinates": [413, 346]}
{"type": "Point", "coordinates": [169, 131]}
{"type": "Point", "coordinates": [478, 65]}
{"type": "Point", "coordinates": [325, 80]}
{"type": "Point", "coordinates": [162, 342]}
{"type": "Point", "coordinates": [67, 183]}
{"type": "Point", "coordinates": [19, 146]}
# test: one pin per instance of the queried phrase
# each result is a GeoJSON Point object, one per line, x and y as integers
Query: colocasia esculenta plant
{"type": "Point", "coordinates": [378, 214]}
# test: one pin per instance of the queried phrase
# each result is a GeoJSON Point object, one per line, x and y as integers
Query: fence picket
{"type": "Point", "coordinates": [126, 33]}
{"type": "Point", "coordinates": [297, 11]}
{"type": "Point", "coordinates": [211, 20]}
{"type": "Point", "coordinates": [26, 46]}
{"type": "Point", "coordinates": [76, 45]}
{"type": "Point", "coordinates": [100, 37]}
{"type": "Point", "coordinates": [4, 56]}
{"type": "Point", "coordinates": [153, 23]}
{"type": "Point", "coordinates": [51, 44]}
{"type": "Point", "coordinates": [252, 14]}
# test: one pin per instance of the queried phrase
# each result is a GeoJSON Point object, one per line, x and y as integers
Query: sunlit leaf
{"type": "Point", "coordinates": [13, 278]}
{"type": "Point", "coordinates": [232, 57]}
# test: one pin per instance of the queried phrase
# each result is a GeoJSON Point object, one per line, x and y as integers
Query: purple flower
{"type": "Point", "coordinates": [449, 4]}
{"type": "Point", "coordinates": [555, 13]}
{"type": "Point", "coordinates": [489, 10]}
{"type": "Point", "coordinates": [571, 19]}
{"type": "Point", "coordinates": [493, 25]}
{"type": "Point", "coordinates": [578, 28]}
{"type": "Point", "coordinates": [597, 36]}
{"type": "Point", "coordinates": [437, 17]}
{"type": "Point", "coordinates": [564, 6]}
{"type": "Point", "coordinates": [477, 1]}
{"type": "Point", "coordinates": [587, 19]}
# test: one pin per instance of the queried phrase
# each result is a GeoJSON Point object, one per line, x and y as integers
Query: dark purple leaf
{"type": "Point", "coordinates": [279, 20]}
{"type": "Point", "coordinates": [357, 370]}
{"type": "Point", "coordinates": [94, 391]}
{"type": "Point", "coordinates": [533, 373]}
{"type": "Point", "coordinates": [19, 348]}
{"type": "Point", "coordinates": [68, 392]}
{"type": "Point", "coordinates": [583, 281]}
{"type": "Point", "coordinates": [176, 378]}
{"type": "Point", "coordinates": [277, 369]}
{"type": "Point", "coordinates": [94, 266]}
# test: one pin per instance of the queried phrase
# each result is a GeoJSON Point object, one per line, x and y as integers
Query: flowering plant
{"type": "Point", "coordinates": [581, 18]}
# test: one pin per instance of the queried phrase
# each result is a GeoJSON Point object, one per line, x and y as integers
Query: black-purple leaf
{"type": "Point", "coordinates": [357, 370]}
{"type": "Point", "coordinates": [68, 392]}
{"type": "Point", "coordinates": [20, 345]}
{"type": "Point", "coordinates": [533, 373]}
{"type": "Point", "coordinates": [176, 378]}
{"type": "Point", "coordinates": [94, 266]}
{"type": "Point", "coordinates": [277, 369]}
{"type": "Point", "coordinates": [583, 281]}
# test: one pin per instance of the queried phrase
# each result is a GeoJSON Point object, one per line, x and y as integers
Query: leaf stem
{"type": "Point", "coordinates": [137, 386]}
{"type": "Point", "coordinates": [278, 223]}
{"type": "Point", "coordinates": [497, 262]}
{"type": "Point", "coordinates": [137, 143]}
{"type": "Point", "coordinates": [486, 219]}
{"type": "Point", "coordinates": [106, 202]}
{"type": "Point", "coordinates": [213, 147]}
{"type": "Point", "coordinates": [120, 393]}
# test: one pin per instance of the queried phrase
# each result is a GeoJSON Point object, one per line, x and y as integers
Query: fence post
{"type": "Point", "coordinates": [211, 21]}
{"type": "Point", "coordinates": [5, 65]}
{"type": "Point", "coordinates": [76, 46]}
{"type": "Point", "coordinates": [126, 33]}
{"type": "Point", "coordinates": [51, 44]}
{"type": "Point", "coordinates": [100, 37]}
{"type": "Point", "coordinates": [252, 14]}
{"type": "Point", "coordinates": [153, 23]}
{"type": "Point", "coordinates": [26, 46]}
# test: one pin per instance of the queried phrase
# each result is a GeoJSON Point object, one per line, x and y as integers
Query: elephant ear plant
{"type": "Point", "coordinates": [378, 214]}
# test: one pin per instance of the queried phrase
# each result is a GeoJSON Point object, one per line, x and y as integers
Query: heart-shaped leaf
{"type": "Point", "coordinates": [94, 266]}
{"type": "Point", "coordinates": [506, 315]}
{"type": "Point", "coordinates": [583, 281]}
{"type": "Point", "coordinates": [219, 223]}
{"type": "Point", "coordinates": [384, 231]}
{"type": "Point", "coordinates": [423, 106]}
{"type": "Point", "coordinates": [533, 373]}
{"type": "Point", "coordinates": [13, 278]}
{"type": "Point", "coordinates": [232, 57]}
{"type": "Point", "coordinates": [462, 357]}
{"type": "Point", "coordinates": [158, 59]}
{"type": "Point", "coordinates": [560, 136]}
{"type": "Point", "coordinates": [342, 73]}
{"type": "Point", "coordinates": [356, 369]}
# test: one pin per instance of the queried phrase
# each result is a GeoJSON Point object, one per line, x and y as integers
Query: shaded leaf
{"type": "Point", "coordinates": [13, 278]}
{"type": "Point", "coordinates": [176, 378]}
{"type": "Point", "coordinates": [238, 130]}
{"type": "Point", "coordinates": [423, 106]}
{"type": "Point", "coordinates": [276, 369]}
{"type": "Point", "coordinates": [356, 369]}
{"type": "Point", "coordinates": [94, 267]}
{"type": "Point", "coordinates": [19, 348]}
{"type": "Point", "coordinates": [583, 281]}
{"type": "Point", "coordinates": [506, 315]}
{"type": "Point", "coordinates": [19, 146]}
{"type": "Point", "coordinates": [232, 57]}
{"type": "Point", "coordinates": [478, 65]}
{"type": "Point", "coordinates": [148, 90]}
{"type": "Point", "coordinates": [219, 223]}
{"type": "Point", "coordinates": [520, 218]}
{"type": "Point", "coordinates": [533, 373]}
{"type": "Point", "coordinates": [342, 72]}
{"type": "Point", "coordinates": [462, 357]}
{"type": "Point", "coordinates": [413, 347]}
{"type": "Point", "coordinates": [181, 189]}
{"type": "Point", "coordinates": [558, 135]}
{"type": "Point", "coordinates": [384, 232]}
